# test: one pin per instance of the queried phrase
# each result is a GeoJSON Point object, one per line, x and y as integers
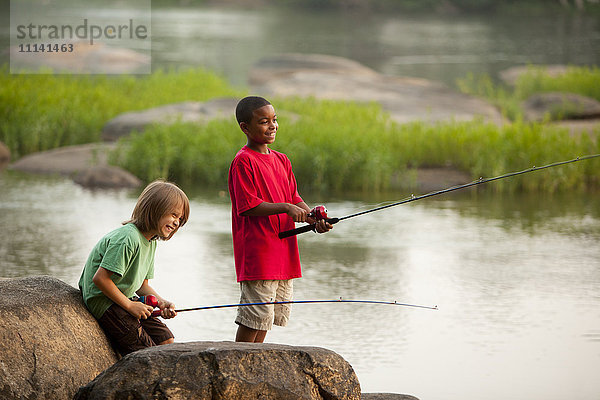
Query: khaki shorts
{"type": "Point", "coordinates": [262, 317]}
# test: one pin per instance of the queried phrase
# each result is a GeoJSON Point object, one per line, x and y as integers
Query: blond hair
{"type": "Point", "coordinates": [157, 199]}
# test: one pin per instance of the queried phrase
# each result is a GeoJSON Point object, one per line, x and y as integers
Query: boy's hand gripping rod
{"type": "Point", "coordinates": [323, 213]}
{"type": "Point", "coordinates": [151, 300]}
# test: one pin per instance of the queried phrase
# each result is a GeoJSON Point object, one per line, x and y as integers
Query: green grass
{"type": "Point", "coordinates": [334, 146]}
{"type": "Point", "coordinates": [185, 152]}
{"type": "Point", "coordinates": [486, 150]}
{"type": "Point", "coordinates": [578, 80]}
{"type": "Point", "coordinates": [43, 111]}
{"type": "Point", "coordinates": [347, 147]}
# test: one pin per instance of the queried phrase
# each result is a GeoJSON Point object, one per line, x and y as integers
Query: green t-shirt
{"type": "Point", "coordinates": [127, 253]}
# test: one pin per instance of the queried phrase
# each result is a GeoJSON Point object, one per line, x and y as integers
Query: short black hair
{"type": "Point", "coordinates": [246, 106]}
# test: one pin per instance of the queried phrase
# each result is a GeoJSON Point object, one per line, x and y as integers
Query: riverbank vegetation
{"type": "Point", "coordinates": [578, 80]}
{"type": "Point", "coordinates": [44, 111]}
{"type": "Point", "coordinates": [337, 146]}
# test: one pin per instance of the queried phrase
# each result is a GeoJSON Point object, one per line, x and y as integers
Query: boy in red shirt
{"type": "Point", "coordinates": [264, 202]}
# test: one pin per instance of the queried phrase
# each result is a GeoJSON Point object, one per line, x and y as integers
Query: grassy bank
{"type": "Point", "coordinates": [43, 111]}
{"type": "Point", "coordinates": [336, 146]}
{"type": "Point", "coordinates": [578, 80]}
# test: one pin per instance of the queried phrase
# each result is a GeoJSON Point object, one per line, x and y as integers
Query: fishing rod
{"type": "Point", "coordinates": [151, 300]}
{"type": "Point", "coordinates": [320, 212]}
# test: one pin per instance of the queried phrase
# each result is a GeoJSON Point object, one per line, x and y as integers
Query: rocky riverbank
{"type": "Point", "coordinates": [52, 348]}
{"type": "Point", "coordinates": [328, 77]}
{"type": "Point", "coordinates": [322, 77]}
{"type": "Point", "coordinates": [290, 74]}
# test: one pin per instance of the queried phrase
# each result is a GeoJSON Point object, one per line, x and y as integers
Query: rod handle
{"type": "Point", "coordinates": [305, 228]}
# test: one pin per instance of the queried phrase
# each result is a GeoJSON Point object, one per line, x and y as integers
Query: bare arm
{"type": "Point", "coordinates": [102, 280]}
{"type": "Point", "coordinates": [298, 212]}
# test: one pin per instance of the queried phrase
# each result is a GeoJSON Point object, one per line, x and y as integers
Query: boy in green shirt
{"type": "Point", "coordinates": [121, 264]}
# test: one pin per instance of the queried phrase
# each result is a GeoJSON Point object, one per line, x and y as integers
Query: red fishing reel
{"type": "Point", "coordinates": [319, 212]}
{"type": "Point", "coordinates": [150, 300]}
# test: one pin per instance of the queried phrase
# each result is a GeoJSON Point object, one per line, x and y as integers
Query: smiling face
{"type": "Point", "coordinates": [170, 222]}
{"type": "Point", "coordinates": [161, 209]}
{"type": "Point", "coordinates": [261, 130]}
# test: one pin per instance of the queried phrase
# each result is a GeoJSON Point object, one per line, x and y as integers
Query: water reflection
{"type": "Point", "coordinates": [437, 47]}
{"type": "Point", "coordinates": [230, 41]}
{"type": "Point", "coordinates": [516, 279]}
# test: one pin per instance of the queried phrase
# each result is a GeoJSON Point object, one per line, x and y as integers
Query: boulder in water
{"type": "Point", "coordinates": [226, 370]}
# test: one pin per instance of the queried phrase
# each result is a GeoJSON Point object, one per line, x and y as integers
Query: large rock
{"type": "Point", "coordinates": [65, 161]}
{"type": "Point", "coordinates": [226, 371]}
{"type": "Point", "coordinates": [106, 176]}
{"type": "Point", "coordinates": [189, 111]}
{"type": "Point", "coordinates": [287, 64]}
{"type": "Point", "coordinates": [406, 99]}
{"type": "Point", "coordinates": [86, 164]}
{"type": "Point", "coordinates": [560, 106]}
{"type": "Point", "coordinates": [4, 155]}
{"type": "Point", "coordinates": [50, 345]}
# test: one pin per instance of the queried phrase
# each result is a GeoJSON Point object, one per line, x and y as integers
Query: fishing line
{"type": "Point", "coordinates": [479, 181]}
{"type": "Point", "coordinates": [340, 300]}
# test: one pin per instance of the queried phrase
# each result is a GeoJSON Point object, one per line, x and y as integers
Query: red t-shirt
{"type": "Point", "coordinates": [259, 253]}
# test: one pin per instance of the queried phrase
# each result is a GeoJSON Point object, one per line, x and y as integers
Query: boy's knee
{"type": "Point", "coordinates": [168, 341]}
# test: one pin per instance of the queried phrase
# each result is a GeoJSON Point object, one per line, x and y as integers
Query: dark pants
{"type": "Point", "coordinates": [129, 334]}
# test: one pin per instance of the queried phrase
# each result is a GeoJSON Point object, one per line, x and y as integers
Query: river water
{"type": "Point", "coordinates": [516, 279]}
{"type": "Point", "coordinates": [441, 48]}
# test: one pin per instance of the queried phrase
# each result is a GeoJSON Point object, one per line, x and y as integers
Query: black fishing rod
{"type": "Point", "coordinates": [323, 214]}
{"type": "Point", "coordinates": [156, 313]}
